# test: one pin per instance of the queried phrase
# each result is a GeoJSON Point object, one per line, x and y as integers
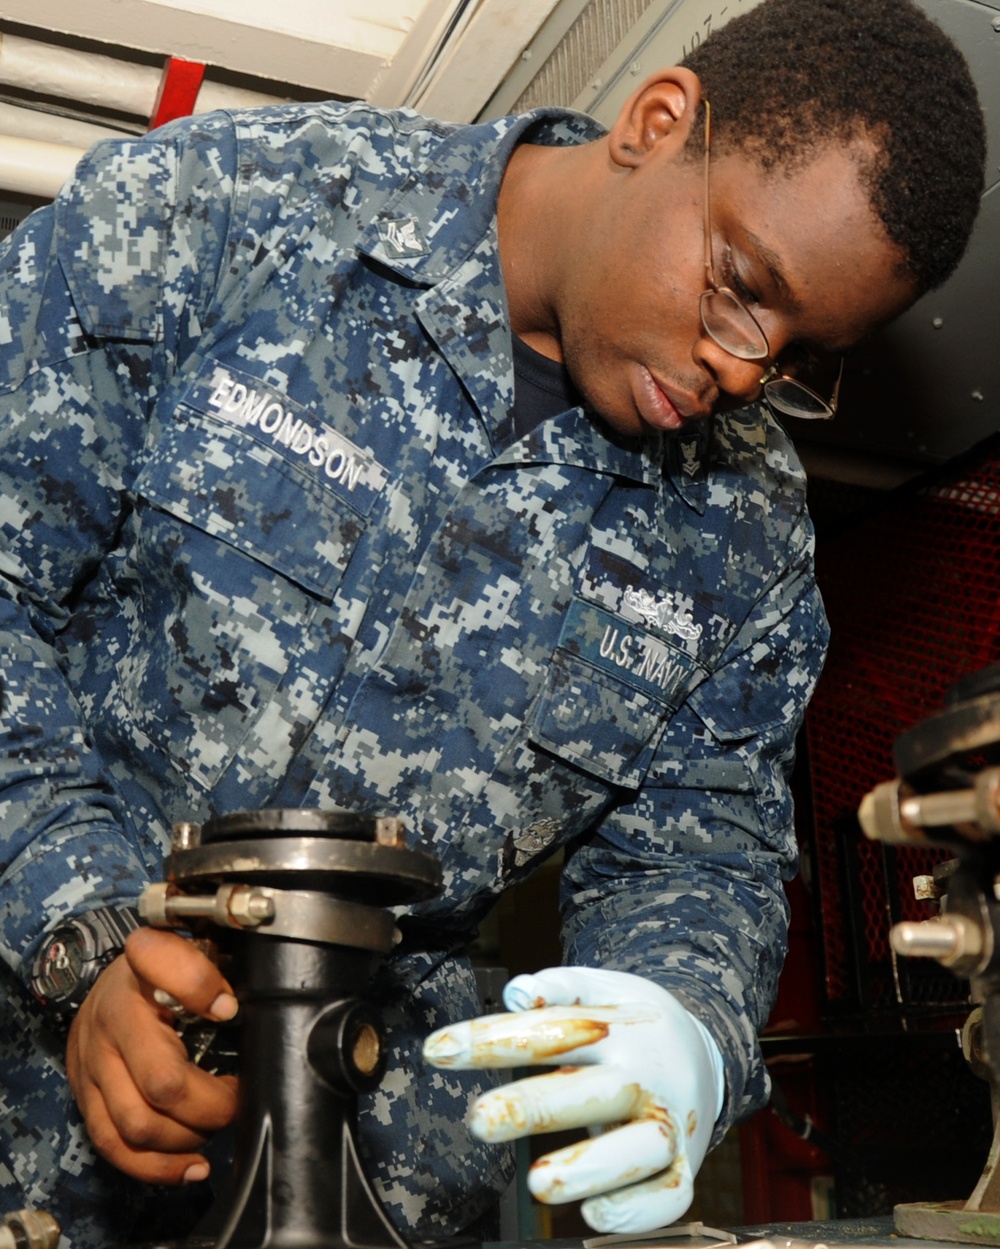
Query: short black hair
{"type": "Point", "coordinates": [789, 75]}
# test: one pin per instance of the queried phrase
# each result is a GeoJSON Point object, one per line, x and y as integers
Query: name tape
{"type": "Point", "coordinates": [292, 430]}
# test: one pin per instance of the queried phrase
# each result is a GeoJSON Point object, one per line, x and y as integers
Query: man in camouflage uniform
{"type": "Point", "coordinates": [274, 533]}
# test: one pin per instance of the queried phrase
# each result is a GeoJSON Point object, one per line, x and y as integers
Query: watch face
{"type": "Point", "coordinates": [76, 953]}
{"type": "Point", "coordinates": [61, 965]}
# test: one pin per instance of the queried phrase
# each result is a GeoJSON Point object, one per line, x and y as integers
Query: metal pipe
{"type": "Point", "coordinates": [940, 810]}
{"type": "Point", "coordinates": [950, 939]}
{"type": "Point", "coordinates": [32, 123]}
{"type": "Point", "coordinates": [100, 80]}
{"type": "Point", "coordinates": [33, 168]}
{"type": "Point", "coordinates": [104, 81]}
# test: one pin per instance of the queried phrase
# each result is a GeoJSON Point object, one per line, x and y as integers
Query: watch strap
{"type": "Point", "coordinates": [117, 922]}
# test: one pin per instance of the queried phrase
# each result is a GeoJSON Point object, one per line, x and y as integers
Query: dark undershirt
{"type": "Point", "coordinates": [542, 388]}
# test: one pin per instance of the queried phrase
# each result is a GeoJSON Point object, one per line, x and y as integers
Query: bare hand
{"type": "Point", "coordinates": [148, 1109]}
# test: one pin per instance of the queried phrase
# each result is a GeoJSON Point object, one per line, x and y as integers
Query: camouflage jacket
{"type": "Point", "coordinates": [267, 539]}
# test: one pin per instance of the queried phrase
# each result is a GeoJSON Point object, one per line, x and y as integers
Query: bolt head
{"type": "Point", "coordinates": [248, 907]}
{"type": "Point", "coordinates": [925, 888]}
{"type": "Point", "coordinates": [389, 831]}
{"type": "Point", "coordinates": [185, 836]}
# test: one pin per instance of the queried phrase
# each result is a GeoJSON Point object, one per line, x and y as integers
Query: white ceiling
{"type": "Point", "coordinates": [444, 56]}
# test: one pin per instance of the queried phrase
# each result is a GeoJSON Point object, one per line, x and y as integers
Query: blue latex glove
{"type": "Point", "coordinates": [646, 1074]}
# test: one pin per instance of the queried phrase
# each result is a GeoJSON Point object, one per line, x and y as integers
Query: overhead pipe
{"type": "Point", "coordinates": [31, 167]}
{"type": "Point", "coordinates": [40, 150]}
{"type": "Point", "coordinates": [104, 81]}
{"type": "Point", "coordinates": [32, 123]}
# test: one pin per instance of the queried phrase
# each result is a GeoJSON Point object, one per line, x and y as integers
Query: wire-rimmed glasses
{"type": "Point", "coordinates": [731, 324]}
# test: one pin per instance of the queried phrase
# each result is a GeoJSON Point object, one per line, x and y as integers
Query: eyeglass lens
{"type": "Point", "coordinates": [732, 325]}
{"type": "Point", "coordinates": [795, 399]}
{"type": "Point", "coordinates": [727, 321]}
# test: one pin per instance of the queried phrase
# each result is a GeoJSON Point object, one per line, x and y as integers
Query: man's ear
{"type": "Point", "coordinates": [663, 109]}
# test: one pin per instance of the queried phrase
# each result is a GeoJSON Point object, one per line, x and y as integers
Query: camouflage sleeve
{"type": "Point", "coordinates": [684, 883]}
{"type": "Point", "coordinates": [95, 306]}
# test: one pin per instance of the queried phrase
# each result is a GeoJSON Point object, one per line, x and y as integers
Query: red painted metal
{"type": "Point", "coordinates": [179, 87]}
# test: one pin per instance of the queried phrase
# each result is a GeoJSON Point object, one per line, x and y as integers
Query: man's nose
{"type": "Point", "coordinates": [737, 378]}
{"type": "Point", "coordinates": [733, 376]}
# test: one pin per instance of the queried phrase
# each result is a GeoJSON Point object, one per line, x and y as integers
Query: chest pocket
{"type": "Point", "coordinates": [233, 554]}
{"type": "Point", "coordinates": [609, 693]}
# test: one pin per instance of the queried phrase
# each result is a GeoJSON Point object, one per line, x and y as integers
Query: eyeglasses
{"type": "Point", "coordinates": [796, 385]}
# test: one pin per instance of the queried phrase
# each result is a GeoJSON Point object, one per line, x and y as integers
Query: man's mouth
{"type": "Point", "coordinates": [655, 405]}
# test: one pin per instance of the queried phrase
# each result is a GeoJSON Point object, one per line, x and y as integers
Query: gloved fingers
{"type": "Point", "coordinates": [656, 1202]}
{"type": "Point", "coordinates": [525, 1039]}
{"type": "Point", "coordinates": [573, 986]}
{"type": "Point", "coordinates": [574, 1097]}
{"type": "Point", "coordinates": [603, 1163]}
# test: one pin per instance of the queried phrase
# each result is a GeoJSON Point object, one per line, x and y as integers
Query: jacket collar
{"type": "Point", "coordinates": [437, 234]}
{"type": "Point", "coordinates": [438, 231]}
{"type": "Point", "coordinates": [445, 207]}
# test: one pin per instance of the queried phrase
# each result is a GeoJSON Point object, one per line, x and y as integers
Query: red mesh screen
{"type": "Point", "coordinates": [913, 595]}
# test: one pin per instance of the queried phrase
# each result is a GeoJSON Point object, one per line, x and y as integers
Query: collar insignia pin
{"type": "Point", "coordinates": [401, 238]}
{"type": "Point", "coordinates": [689, 456]}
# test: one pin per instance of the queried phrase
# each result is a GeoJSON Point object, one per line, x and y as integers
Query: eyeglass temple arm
{"type": "Point", "coordinates": [709, 275]}
{"type": "Point", "coordinates": [835, 397]}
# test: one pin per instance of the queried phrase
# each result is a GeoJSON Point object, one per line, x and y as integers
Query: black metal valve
{"type": "Point", "coordinates": [295, 901]}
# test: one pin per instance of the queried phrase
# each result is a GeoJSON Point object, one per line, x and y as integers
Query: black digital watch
{"type": "Point", "coordinates": [73, 955]}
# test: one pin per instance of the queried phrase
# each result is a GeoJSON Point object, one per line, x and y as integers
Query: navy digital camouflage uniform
{"type": "Point", "coordinates": [267, 539]}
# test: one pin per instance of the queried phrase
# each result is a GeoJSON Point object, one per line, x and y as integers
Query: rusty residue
{"type": "Point", "coordinates": [553, 1185]}
{"type": "Point", "coordinates": [692, 1123]}
{"type": "Point", "coordinates": [452, 1050]}
{"type": "Point", "coordinates": [648, 1108]}
{"type": "Point", "coordinates": [562, 1037]}
{"type": "Point", "coordinates": [571, 1153]}
{"type": "Point", "coordinates": [497, 1115]}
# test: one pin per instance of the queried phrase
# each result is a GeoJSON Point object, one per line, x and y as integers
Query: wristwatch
{"type": "Point", "coordinates": [73, 955]}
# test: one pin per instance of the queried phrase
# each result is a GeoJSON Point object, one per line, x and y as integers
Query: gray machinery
{"type": "Point", "coordinates": [947, 793]}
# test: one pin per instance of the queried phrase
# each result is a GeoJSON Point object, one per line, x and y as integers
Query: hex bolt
{"type": "Point", "coordinates": [231, 906]}
{"type": "Point", "coordinates": [389, 832]}
{"type": "Point", "coordinates": [153, 905]}
{"type": "Point", "coordinates": [249, 907]}
{"type": "Point", "coordinates": [185, 836]}
{"type": "Point", "coordinates": [881, 817]}
{"type": "Point", "coordinates": [29, 1229]}
{"type": "Point", "coordinates": [162, 998]}
{"type": "Point", "coordinates": [891, 814]}
{"type": "Point", "coordinates": [996, 24]}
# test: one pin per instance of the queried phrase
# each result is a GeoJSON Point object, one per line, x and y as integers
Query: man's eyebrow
{"type": "Point", "coordinates": [772, 264]}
